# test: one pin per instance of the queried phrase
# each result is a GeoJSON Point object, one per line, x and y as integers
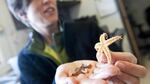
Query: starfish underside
{"type": "Point", "coordinates": [102, 46]}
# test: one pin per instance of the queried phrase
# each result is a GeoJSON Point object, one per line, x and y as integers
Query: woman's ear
{"type": "Point", "coordinates": [22, 16]}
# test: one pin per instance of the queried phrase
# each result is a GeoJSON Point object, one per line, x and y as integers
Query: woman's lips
{"type": "Point", "coordinates": [49, 11]}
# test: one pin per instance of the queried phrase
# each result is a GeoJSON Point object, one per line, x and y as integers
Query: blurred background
{"type": "Point", "coordinates": [129, 18]}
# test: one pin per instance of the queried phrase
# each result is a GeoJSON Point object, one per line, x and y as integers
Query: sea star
{"type": "Point", "coordinates": [102, 46]}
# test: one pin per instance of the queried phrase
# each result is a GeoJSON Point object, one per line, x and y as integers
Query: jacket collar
{"type": "Point", "coordinates": [39, 46]}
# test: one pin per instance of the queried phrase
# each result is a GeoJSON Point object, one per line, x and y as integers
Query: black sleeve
{"type": "Point", "coordinates": [36, 69]}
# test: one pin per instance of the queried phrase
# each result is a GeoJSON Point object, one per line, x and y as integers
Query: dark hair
{"type": "Point", "coordinates": [18, 5]}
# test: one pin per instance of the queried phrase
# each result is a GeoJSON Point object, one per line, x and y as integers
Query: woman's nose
{"type": "Point", "coordinates": [45, 1]}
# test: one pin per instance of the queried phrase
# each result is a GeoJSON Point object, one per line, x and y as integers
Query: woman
{"type": "Point", "coordinates": [47, 46]}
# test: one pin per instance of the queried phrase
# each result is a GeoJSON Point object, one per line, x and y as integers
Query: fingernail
{"type": "Point", "coordinates": [120, 64]}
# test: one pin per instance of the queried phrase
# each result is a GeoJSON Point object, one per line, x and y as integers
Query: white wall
{"type": "Point", "coordinates": [8, 29]}
{"type": "Point", "coordinates": [11, 40]}
{"type": "Point", "coordinates": [88, 8]}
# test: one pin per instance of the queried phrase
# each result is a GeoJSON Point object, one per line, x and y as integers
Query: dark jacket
{"type": "Point", "coordinates": [79, 40]}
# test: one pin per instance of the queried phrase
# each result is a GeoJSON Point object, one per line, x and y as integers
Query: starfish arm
{"type": "Point", "coordinates": [103, 37]}
{"type": "Point", "coordinates": [97, 46]}
{"type": "Point", "coordinates": [107, 53]}
{"type": "Point", "coordinates": [112, 40]}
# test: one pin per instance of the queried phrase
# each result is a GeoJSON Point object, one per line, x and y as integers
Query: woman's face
{"type": "Point", "coordinates": [42, 14]}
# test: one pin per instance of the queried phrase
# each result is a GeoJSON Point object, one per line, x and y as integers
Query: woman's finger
{"type": "Point", "coordinates": [67, 80]}
{"type": "Point", "coordinates": [132, 69]}
{"type": "Point", "coordinates": [94, 81]}
{"type": "Point", "coordinates": [115, 80]}
{"type": "Point", "coordinates": [105, 71]}
{"type": "Point", "coordinates": [124, 56]}
{"type": "Point", "coordinates": [128, 79]}
{"type": "Point", "coordinates": [61, 77]}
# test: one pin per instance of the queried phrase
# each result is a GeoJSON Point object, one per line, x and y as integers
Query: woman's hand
{"type": "Point", "coordinates": [68, 73]}
{"type": "Point", "coordinates": [63, 73]}
{"type": "Point", "coordinates": [124, 70]}
{"type": "Point", "coordinates": [126, 62]}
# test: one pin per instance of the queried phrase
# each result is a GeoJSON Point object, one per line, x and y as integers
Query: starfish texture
{"type": "Point", "coordinates": [102, 46]}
